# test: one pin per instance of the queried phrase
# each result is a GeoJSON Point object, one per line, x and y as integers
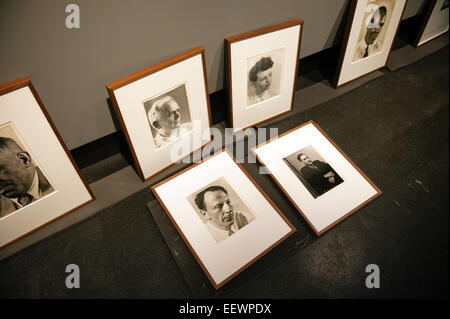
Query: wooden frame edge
{"type": "Point", "coordinates": [426, 18]}
{"type": "Point", "coordinates": [227, 45]}
{"type": "Point", "coordinates": [111, 87]}
{"type": "Point", "coordinates": [247, 35]}
{"type": "Point", "coordinates": [112, 95]}
{"type": "Point", "coordinates": [264, 30]}
{"type": "Point", "coordinates": [376, 69]}
{"type": "Point", "coordinates": [431, 39]}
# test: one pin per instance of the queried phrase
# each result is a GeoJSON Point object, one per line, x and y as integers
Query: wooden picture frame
{"type": "Point", "coordinates": [39, 180]}
{"type": "Point", "coordinates": [163, 107]}
{"type": "Point", "coordinates": [262, 69]}
{"type": "Point", "coordinates": [435, 22]}
{"type": "Point", "coordinates": [220, 254]}
{"type": "Point", "coordinates": [318, 200]}
{"type": "Point", "coordinates": [369, 35]}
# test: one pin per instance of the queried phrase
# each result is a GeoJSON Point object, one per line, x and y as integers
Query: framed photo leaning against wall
{"type": "Point", "coordinates": [318, 178]}
{"type": "Point", "coordinates": [39, 180]}
{"type": "Point", "coordinates": [164, 111]}
{"type": "Point", "coordinates": [435, 21]}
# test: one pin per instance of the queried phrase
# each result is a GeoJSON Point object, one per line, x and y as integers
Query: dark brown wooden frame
{"type": "Point", "coordinates": [177, 227]}
{"type": "Point", "coordinates": [318, 233]}
{"type": "Point", "coordinates": [111, 87]}
{"type": "Point", "coordinates": [344, 45]}
{"type": "Point", "coordinates": [429, 10]}
{"type": "Point", "coordinates": [18, 84]}
{"type": "Point", "coordinates": [251, 34]}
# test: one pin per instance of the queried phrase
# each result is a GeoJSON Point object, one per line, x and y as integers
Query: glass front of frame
{"type": "Point", "coordinates": [262, 73]}
{"type": "Point", "coordinates": [321, 182]}
{"type": "Point", "coordinates": [225, 220]}
{"type": "Point", "coordinates": [165, 113]}
{"type": "Point", "coordinates": [168, 116]}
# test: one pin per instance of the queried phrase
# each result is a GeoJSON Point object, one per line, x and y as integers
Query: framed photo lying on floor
{"type": "Point", "coordinates": [39, 180]}
{"type": "Point", "coordinates": [162, 108]}
{"type": "Point", "coordinates": [318, 178]}
{"type": "Point", "coordinates": [225, 219]}
{"type": "Point", "coordinates": [369, 35]}
{"type": "Point", "coordinates": [435, 22]}
{"type": "Point", "coordinates": [262, 71]}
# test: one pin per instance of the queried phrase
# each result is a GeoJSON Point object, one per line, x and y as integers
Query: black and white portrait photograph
{"type": "Point", "coordinates": [375, 21]}
{"type": "Point", "coordinates": [261, 73]}
{"type": "Point", "coordinates": [22, 182]}
{"type": "Point", "coordinates": [222, 211]}
{"type": "Point", "coordinates": [435, 21]}
{"type": "Point", "coordinates": [264, 76]}
{"type": "Point", "coordinates": [313, 171]}
{"type": "Point", "coordinates": [169, 116]}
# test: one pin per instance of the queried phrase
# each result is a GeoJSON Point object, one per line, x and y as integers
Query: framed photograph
{"type": "Point", "coordinates": [164, 111]}
{"type": "Point", "coordinates": [39, 180]}
{"type": "Point", "coordinates": [224, 217]}
{"type": "Point", "coordinates": [318, 178]}
{"type": "Point", "coordinates": [435, 21]}
{"type": "Point", "coordinates": [262, 70]}
{"type": "Point", "coordinates": [369, 35]}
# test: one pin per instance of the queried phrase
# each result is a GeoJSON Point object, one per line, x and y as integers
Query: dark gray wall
{"type": "Point", "coordinates": [70, 67]}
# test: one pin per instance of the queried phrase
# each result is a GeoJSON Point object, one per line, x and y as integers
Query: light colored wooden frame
{"type": "Point", "coordinates": [143, 73]}
{"type": "Point", "coordinates": [26, 82]}
{"type": "Point", "coordinates": [378, 191]}
{"type": "Point", "coordinates": [177, 227]}
{"type": "Point", "coordinates": [251, 34]}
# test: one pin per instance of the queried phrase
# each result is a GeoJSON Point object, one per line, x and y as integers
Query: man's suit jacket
{"type": "Point", "coordinates": [314, 177]}
{"type": "Point", "coordinates": [7, 206]}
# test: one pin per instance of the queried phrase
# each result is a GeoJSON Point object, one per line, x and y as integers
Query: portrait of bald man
{"type": "Point", "coordinates": [21, 182]}
{"type": "Point", "coordinates": [370, 41]}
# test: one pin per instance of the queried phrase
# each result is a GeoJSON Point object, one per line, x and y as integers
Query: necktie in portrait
{"type": "Point", "coordinates": [25, 199]}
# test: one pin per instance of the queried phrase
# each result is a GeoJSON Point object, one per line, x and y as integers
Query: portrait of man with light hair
{"type": "Point", "coordinates": [168, 116]}
{"type": "Point", "coordinates": [370, 40]}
